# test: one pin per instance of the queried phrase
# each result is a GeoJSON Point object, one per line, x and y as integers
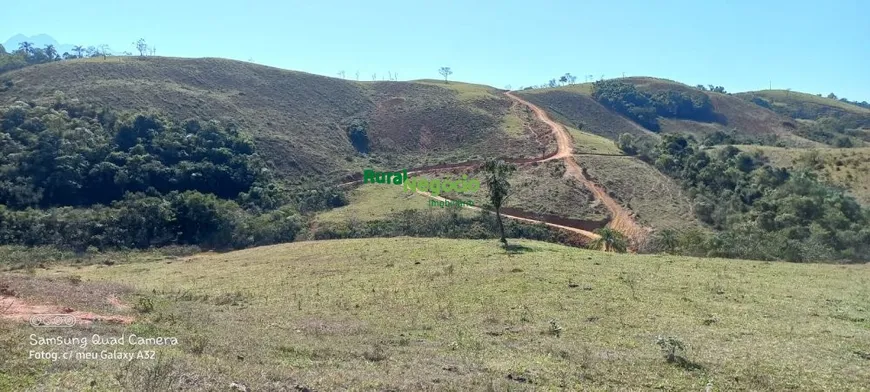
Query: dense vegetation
{"type": "Point", "coordinates": [645, 108]}
{"type": "Point", "coordinates": [758, 211]}
{"type": "Point", "coordinates": [835, 122]}
{"type": "Point", "coordinates": [76, 177]}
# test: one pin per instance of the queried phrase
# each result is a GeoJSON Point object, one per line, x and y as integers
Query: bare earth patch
{"type": "Point", "coordinates": [17, 310]}
{"type": "Point", "coordinates": [22, 297]}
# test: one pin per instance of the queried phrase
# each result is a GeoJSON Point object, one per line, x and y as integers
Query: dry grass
{"type": "Point", "coordinates": [543, 189]}
{"type": "Point", "coordinates": [818, 104]}
{"type": "Point", "coordinates": [573, 105]}
{"type": "Point", "coordinates": [297, 119]}
{"type": "Point", "coordinates": [438, 314]}
{"type": "Point", "coordinates": [656, 199]}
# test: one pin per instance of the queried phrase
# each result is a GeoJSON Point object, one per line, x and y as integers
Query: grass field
{"type": "Point", "coordinates": [587, 143]}
{"type": "Point", "coordinates": [537, 188]}
{"type": "Point", "coordinates": [438, 314]}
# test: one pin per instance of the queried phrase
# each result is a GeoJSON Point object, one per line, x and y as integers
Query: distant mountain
{"type": "Point", "coordinates": [39, 40]}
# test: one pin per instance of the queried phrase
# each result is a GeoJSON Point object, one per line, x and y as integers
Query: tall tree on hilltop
{"type": "Point", "coordinates": [497, 173]}
{"type": "Point", "coordinates": [51, 52]}
{"type": "Point", "coordinates": [78, 49]}
{"type": "Point", "coordinates": [445, 72]}
{"type": "Point", "coordinates": [26, 47]}
{"type": "Point", "coordinates": [141, 46]}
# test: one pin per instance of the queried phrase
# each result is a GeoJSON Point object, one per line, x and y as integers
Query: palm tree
{"type": "Point", "coordinates": [26, 47]}
{"type": "Point", "coordinates": [51, 52]}
{"type": "Point", "coordinates": [497, 173]}
{"type": "Point", "coordinates": [79, 49]}
{"type": "Point", "coordinates": [609, 240]}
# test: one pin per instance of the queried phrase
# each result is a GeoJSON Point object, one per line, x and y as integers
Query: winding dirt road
{"type": "Point", "coordinates": [621, 217]}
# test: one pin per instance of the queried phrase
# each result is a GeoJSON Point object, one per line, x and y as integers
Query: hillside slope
{"type": "Point", "coordinates": [440, 314]}
{"type": "Point", "coordinates": [804, 106]}
{"type": "Point", "coordinates": [574, 104]}
{"type": "Point", "coordinates": [299, 120]}
{"type": "Point", "coordinates": [846, 168]}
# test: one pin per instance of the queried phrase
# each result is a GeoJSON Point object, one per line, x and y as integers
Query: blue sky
{"type": "Point", "coordinates": [811, 46]}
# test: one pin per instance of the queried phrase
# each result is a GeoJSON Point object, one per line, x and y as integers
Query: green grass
{"type": "Point", "coordinates": [371, 202]}
{"type": "Point", "coordinates": [579, 88]}
{"type": "Point", "coordinates": [465, 91]}
{"type": "Point", "coordinates": [587, 143]}
{"type": "Point", "coordinates": [439, 314]}
{"type": "Point", "coordinates": [535, 188]}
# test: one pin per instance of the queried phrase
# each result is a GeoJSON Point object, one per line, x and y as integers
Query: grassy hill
{"type": "Point", "coordinates": [657, 200]}
{"type": "Point", "coordinates": [438, 314]}
{"type": "Point", "coordinates": [847, 168]}
{"type": "Point", "coordinates": [574, 105]}
{"type": "Point", "coordinates": [535, 188]}
{"type": "Point", "coordinates": [802, 105]}
{"type": "Point", "coordinates": [299, 120]}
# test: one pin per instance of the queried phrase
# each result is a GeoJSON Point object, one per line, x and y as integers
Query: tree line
{"type": "Point", "coordinates": [754, 210]}
{"type": "Point", "coordinates": [75, 177]}
{"type": "Point", "coordinates": [644, 108]}
{"type": "Point", "coordinates": [28, 53]}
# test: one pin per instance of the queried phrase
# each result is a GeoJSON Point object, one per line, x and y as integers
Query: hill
{"type": "Point", "coordinates": [827, 120]}
{"type": "Point", "coordinates": [802, 105]}
{"type": "Point", "coordinates": [846, 168]}
{"type": "Point", "coordinates": [575, 104]}
{"type": "Point", "coordinates": [439, 314]}
{"type": "Point", "coordinates": [300, 122]}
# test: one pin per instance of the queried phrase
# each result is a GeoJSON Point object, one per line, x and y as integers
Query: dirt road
{"type": "Point", "coordinates": [622, 219]}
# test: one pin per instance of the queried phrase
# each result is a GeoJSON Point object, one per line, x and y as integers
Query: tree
{"type": "Point", "coordinates": [552, 83]}
{"type": "Point", "coordinates": [141, 46]}
{"type": "Point", "coordinates": [26, 47]}
{"type": "Point", "coordinates": [831, 95]}
{"type": "Point", "coordinates": [609, 240]}
{"type": "Point", "coordinates": [445, 72]}
{"type": "Point", "coordinates": [497, 173]}
{"type": "Point", "coordinates": [626, 144]}
{"type": "Point", "coordinates": [67, 56]}
{"type": "Point", "coordinates": [51, 52]}
{"type": "Point", "coordinates": [104, 50]}
{"type": "Point", "coordinates": [571, 78]}
{"type": "Point", "coordinates": [563, 79]}
{"type": "Point", "coordinates": [78, 49]}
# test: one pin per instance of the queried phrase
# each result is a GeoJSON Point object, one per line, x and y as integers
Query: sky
{"type": "Point", "coordinates": [809, 46]}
